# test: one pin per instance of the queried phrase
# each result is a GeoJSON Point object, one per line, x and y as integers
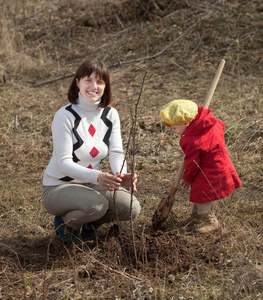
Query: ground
{"type": "Point", "coordinates": [157, 51]}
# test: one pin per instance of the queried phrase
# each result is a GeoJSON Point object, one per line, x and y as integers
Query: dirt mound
{"type": "Point", "coordinates": [156, 254]}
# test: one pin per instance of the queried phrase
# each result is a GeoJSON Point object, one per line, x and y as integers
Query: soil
{"type": "Point", "coordinates": [138, 40]}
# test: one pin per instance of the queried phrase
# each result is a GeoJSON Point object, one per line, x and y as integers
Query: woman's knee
{"type": "Point", "coordinates": [63, 199]}
{"type": "Point", "coordinates": [97, 210]}
{"type": "Point", "coordinates": [127, 211]}
{"type": "Point", "coordinates": [136, 208]}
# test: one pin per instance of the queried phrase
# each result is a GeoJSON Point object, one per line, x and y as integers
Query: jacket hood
{"type": "Point", "coordinates": [202, 123]}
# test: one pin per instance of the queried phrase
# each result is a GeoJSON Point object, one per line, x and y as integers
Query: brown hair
{"type": "Point", "coordinates": [86, 69]}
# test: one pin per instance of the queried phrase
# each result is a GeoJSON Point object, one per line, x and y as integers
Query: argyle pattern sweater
{"type": "Point", "coordinates": [83, 135]}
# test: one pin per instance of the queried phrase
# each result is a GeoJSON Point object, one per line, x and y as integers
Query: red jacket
{"type": "Point", "coordinates": [207, 164]}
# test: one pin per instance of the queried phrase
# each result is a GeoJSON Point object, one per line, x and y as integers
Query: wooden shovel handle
{"type": "Point", "coordinates": [214, 83]}
{"type": "Point", "coordinates": [206, 105]}
{"type": "Point", "coordinates": [178, 177]}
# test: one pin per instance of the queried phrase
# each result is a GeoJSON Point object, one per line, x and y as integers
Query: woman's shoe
{"type": "Point", "coordinates": [90, 231]}
{"type": "Point", "coordinates": [65, 233]}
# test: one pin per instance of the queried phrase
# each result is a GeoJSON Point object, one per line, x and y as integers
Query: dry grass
{"type": "Point", "coordinates": [48, 39]}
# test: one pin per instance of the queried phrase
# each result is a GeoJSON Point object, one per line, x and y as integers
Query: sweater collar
{"type": "Point", "coordinates": [87, 106]}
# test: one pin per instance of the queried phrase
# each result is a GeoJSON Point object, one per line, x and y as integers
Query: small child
{"type": "Point", "coordinates": [208, 168]}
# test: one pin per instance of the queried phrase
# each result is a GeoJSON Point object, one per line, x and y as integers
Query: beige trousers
{"type": "Point", "coordinates": [79, 204]}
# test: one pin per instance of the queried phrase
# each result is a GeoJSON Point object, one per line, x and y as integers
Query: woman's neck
{"type": "Point", "coordinates": [87, 106]}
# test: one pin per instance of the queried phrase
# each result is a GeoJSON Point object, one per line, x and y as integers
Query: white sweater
{"type": "Point", "coordinates": [83, 135]}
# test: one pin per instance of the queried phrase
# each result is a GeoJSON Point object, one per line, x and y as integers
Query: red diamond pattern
{"type": "Point", "coordinates": [89, 167]}
{"type": "Point", "coordinates": [92, 130]}
{"type": "Point", "coordinates": [94, 152]}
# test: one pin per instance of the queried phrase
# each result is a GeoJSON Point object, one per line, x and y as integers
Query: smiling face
{"type": "Point", "coordinates": [178, 128]}
{"type": "Point", "coordinates": [91, 87]}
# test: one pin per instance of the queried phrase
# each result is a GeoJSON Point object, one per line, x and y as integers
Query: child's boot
{"type": "Point", "coordinates": [207, 223]}
{"type": "Point", "coordinates": [192, 219]}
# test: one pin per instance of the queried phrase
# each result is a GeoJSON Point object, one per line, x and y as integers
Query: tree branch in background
{"type": "Point", "coordinates": [123, 61]}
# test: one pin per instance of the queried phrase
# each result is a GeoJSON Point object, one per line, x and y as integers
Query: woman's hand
{"type": "Point", "coordinates": [185, 185]}
{"type": "Point", "coordinates": [127, 180]}
{"type": "Point", "coordinates": [108, 181]}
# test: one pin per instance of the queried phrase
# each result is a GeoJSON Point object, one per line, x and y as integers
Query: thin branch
{"type": "Point", "coordinates": [170, 45]}
{"type": "Point", "coordinates": [206, 180]}
{"type": "Point", "coordinates": [133, 163]}
{"type": "Point", "coordinates": [54, 79]}
{"type": "Point", "coordinates": [123, 61]}
{"type": "Point", "coordinates": [133, 135]}
{"type": "Point", "coordinates": [20, 268]}
{"type": "Point", "coordinates": [115, 207]}
{"type": "Point", "coordinates": [45, 288]}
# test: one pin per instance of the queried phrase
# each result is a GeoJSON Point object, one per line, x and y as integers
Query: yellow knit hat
{"type": "Point", "coordinates": [179, 112]}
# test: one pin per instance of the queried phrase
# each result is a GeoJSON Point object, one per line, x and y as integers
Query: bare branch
{"type": "Point", "coordinates": [123, 61]}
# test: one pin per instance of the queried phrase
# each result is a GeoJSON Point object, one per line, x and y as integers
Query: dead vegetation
{"type": "Point", "coordinates": [179, 45]}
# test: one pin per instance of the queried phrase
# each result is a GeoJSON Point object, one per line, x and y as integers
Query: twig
{"type": "Point", "coordinates": [206, 180]}
{"type": "Point", "coordinates": [133, 131]}
{"type": "Point", "coordinates": [128, 106]}
{"type": "Point", "coordinates": [122, 61]}
{"type": "Point", "coordinates": [53, 80]}
{"type": "Point", "coordinates": [75, 277]}
{"type": "Point", "coordinates": [115, 207]}
{"type": "Point", "coordinates": [123, 274]}
{"type": "Point", "coordinates": [133, 134]}
{"type": "Point", "coordinates": [19, 267]}
{"type": "Point", "coordinates": [248, 141]}
{"type": "Point", "coordinates": [167, 47]}
{"type": "Point", "coordinates": [133, 162]}
{"type": "Point", "coordinates": [15, 123]}
{"type": "Point", "coordinates": [119, 21]}
{"type": "Point", "coordinates": [45, 289]}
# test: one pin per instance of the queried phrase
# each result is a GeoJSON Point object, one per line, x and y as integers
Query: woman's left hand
{"type": "Point", "coordinates": [127, 180]}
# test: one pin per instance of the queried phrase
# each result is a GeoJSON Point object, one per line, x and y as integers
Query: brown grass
{"type": "Point", "coordinates": [43, 40]}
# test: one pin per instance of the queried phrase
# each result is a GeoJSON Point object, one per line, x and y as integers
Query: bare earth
{"type": "Point", "coordinates": [157, 51]}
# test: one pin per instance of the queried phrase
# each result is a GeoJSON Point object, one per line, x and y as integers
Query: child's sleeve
{"type": "Point", "coordinates": [192, 163]}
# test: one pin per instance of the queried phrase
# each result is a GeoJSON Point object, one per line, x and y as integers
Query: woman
{"type": "Point", "coordinates": [85, 132]}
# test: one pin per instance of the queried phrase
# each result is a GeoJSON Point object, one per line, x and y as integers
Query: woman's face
{"type": "Point", "coordinates": [178, 128]}
{"type": "Point", "coordinates": [91, 87]}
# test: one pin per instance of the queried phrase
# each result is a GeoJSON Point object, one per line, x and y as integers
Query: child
{"type": "Point", "coordinates": [208, 168]}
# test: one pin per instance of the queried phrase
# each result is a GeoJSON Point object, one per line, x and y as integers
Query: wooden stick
{"type": "Point", "coordinates": [206, 105]}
